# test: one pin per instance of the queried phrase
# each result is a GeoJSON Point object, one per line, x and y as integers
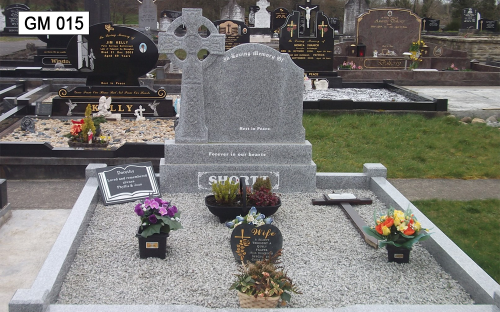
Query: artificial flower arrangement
{"type": "Point", "coordinates": [253, 217]}
{"type": "Point", "coordinates": [397, 228]}
{"type": "Point", "coordinates": [87, 130]}
{"type": "Point", "coordinates": [157, 216]}
{"type": "Point", "coordinates": [350, 65]}
{"type": "Point", "coordinates": [416, 53]}
{"type": "Point", "coordinates": [264, 279]}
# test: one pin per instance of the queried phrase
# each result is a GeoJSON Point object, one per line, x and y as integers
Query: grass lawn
{"type": "Point", "coordinates": [472, 225]}
{"type": "Point", "coordinates": [410, 146]}
{"type": "Point", "coordinates": [16, 38]}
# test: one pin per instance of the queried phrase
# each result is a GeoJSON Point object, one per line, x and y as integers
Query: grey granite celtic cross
{"type": "Point", "coordinates": [191, 127]}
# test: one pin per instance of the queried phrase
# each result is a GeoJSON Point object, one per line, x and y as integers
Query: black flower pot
{"type": "Point", "coordinates": [152, 246]}
{"type": "Point", "coordinates": [398, 254]}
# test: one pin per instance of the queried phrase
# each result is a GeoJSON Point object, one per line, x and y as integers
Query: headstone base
{"type": "Point", "coordinates": [289, 166]}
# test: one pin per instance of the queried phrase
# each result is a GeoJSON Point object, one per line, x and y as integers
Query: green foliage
{"type": "Point", "coordinates": [261, 182]}
{"type": "Point", "coordinates": [265, 279]}
{"type": "Point", "coordinates": [225, 192]}
{"type": "Point", "coordinates": [88, 124]}
{"type": "Point", "coordinates": [410, 146]}
{"type": "Point", "coordinates": [472, 225]}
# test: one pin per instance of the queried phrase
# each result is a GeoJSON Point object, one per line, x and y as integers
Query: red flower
{"type": "Point", "coordinates": [387, 222]}
{"type": "Point", "coordinates": [81, 122]}
{"type": "Point", "coordinates": [75, 129]}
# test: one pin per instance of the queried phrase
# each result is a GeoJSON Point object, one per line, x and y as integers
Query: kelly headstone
{"type": "Point", "coordinates": [251, 243]}
{"type": "Point", "coordinates": [309, 53]}
{"type": "Point", "coordinates": [390, 32]}
{"type": "Point", "coordinates": [469, 18]}
{"type": "Point", "coordinates": [126, 183]}
{"type": "Point", "coordinates": [148, 15]}
{"type": "Point", "coordinates": [278, 18]}
{"type": "Point", "coordinates": [429, 24]}
{"type": "Point", "coordinates": [233, 11]}
{"type": "Point", "coordinates": [236, 32]}
{"type": "Point", "coordinates": [241, 113]}
{"type": "Point", "coordinates": [11, 13]}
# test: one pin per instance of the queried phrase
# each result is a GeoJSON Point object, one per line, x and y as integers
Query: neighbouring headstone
{"type": "Point", "coordinates": [233, 11]}
{"type": "Point", "coordinates": [251, 15]}
{"type": "Point", "coordinates": [126, 183]}
{"type": "Point", "coordinates": [3, 193]}
{"type": "Point", "coordinates": [262, 16]}
{"type": "Point", "coordinates": [11, 13]}
{"type": "Point", "coordinates": [236, 32]}
{"type": "Point", "coordinates": [2, 19]}
{"type": "Point", "coordinates": [114, 57]}
{"type": "Point", "coordinates": [390, 32]}
{"type": "Point", "coordinates": [278, 18]}
{"type": "Point", "coordinates": [486, 24]}
{"type": "Point", "coordinates": [469, 18]}
{"type": "Point", "coordinates": [55, 51]}
{"type": "Point", "coordinates": [310, 53]}
{"type": "Point", "coordinates": [167, 17]}
{"type": "Point", "coordinates": [99, 11]}
{"type": "Point", "coordinates": [241, 114]}
{"type": "Point", "coordinates": [353, 9]}
{"type": "Point", "coordinates": [429, 24]}
{"type": "Point", "coordinates": [335, 23]}
{"type": "Point", "coordinates": [308, 18]}
{"type": "Point", "coordinates": [251, 243]}
{"type": "Point", "coordinates": [148, 18]}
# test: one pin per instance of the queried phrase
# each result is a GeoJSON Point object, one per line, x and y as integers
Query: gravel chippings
{"type": "Point", "coordinates": [323, 254]}
{"type": "Point", "coordinates": [355, 94]}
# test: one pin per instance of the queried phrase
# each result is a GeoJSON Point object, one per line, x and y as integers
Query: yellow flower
{"type": "Point", "coordinates": [402, 227]}
{"type": "Point", "coordinates": [416, 226]}
{"type": "Point", "coordinates": [385, 231]}
{"type": "Point", "coordinates": [399, 217]}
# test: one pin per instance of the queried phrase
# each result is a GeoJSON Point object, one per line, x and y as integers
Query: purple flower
{"type": "Point", "coordinates": [171, 211]}
{"type": "Point", "coordinates": [152, 219]}
{"type": "Point", "coordinates": [138, 210]}
{"type": "Point", "coordinates": [163, 211]}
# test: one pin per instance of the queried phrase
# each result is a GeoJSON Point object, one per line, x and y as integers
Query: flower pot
{"type": "Point", "coordinates": [152, 246]}
{"type": "Point", "coordinates": [398, 254]}
{"type": "Point", "coordinates": [247, 301]}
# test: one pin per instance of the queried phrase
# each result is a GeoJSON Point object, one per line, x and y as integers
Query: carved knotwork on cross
{"type": "Point", "coordinates": [191, 127]}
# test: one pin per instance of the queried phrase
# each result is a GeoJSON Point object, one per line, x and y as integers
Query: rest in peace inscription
{"type": "Point", "coordinates": [251, 243]}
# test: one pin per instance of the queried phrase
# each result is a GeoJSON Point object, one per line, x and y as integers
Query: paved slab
{"type": "Point", "coordinates": [8, 47]}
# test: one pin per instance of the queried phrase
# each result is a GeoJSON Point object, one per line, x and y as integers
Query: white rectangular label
{"type": "Point", "coordinates": [53, 23]}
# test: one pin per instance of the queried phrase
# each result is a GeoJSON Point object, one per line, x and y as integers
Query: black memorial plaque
{"type": "Point", "coordinates": [112, 55]}
{"type": "Point", "coordinates": [126, 183]}
{"type": "Point", "coordinates": [310, 53]}
{"type": "Point", "coordinates": [469, 18]}
{"type": "Point", "coordinates": [278, 18]}
{"type": "Point", "coordinates": [11, 13]}
{"type": "Point", "coordinates": [429, 24]}
{"type": "Point", "coordinates": [251, 243]}
{"type": "Point", "coordinates": [236, 32]}
{"type": "Point", "coordinates": [486, 24]}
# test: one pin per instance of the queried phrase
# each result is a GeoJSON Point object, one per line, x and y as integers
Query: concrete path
{"type": "Point", "coordinates": [13, 46]}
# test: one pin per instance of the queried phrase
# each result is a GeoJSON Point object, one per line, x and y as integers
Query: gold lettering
{"type": "Point", "coordinates": [129, 107]}
{"type": "Point", "coordinates": [120, 108]}
{"type": "Point", "coordinates": [95, 107]}
{"type": "Point", "coordinates": [266, 234]}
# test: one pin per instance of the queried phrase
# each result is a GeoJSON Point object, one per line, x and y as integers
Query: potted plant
{"type": "Point", "coordinates": [231, 199]}
{"type": "Point", "coordinates": [263, 283]}
{"type": "Point", "coordinates": [158, 218]}
{"type": "Point", "coordinates": [86, 132]}
{"type": "Point", "coordinates": [398, 231]}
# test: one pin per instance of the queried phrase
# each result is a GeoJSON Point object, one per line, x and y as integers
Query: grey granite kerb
{"type": "Point", "coordinates": [191, 126]}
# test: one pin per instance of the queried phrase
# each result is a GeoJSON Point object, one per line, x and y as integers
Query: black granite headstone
{"type": "Point", "coordinates": [99, 11]}
{"type": "Point", "coordinates": [486, 24]}
{"type": "Point", "coordinates": [11, 13]}
{"type": "Point", "coordinates": [121, 184]}
{"type": "Point", "coordinates": [236, 32]}
{"type": "Point", "coordinates": [310, 53]}
{"type": "Point", "coordinates": [55, 52]}
{"type": "Point", "coordinates": [278, 18]}
{"type": "Point", "coordinates": [429, 24]}
{"type": "Point", "coordinates": [334, 22]}
{"type": "Point", "coordinates": [251, 243]}
{"type": "Point", "coordinates": [3, 193]}
{"type": "Point", "coordinates": [469, 18]}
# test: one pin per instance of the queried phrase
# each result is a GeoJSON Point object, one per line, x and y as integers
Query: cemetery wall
{"type": "Point", "coordinates": [478, 48]}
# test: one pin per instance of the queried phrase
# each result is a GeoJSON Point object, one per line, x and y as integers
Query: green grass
{"type": "Point", "coordinates": [472, 225]}
{"type": "Point", "coordinates": [410, 146]}
{"type": "Point", "coordinates": [16, 38]}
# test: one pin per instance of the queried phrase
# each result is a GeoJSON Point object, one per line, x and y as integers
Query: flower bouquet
{"type": "Point", "coordinates": [397, 229]}
{"type": "Point", "coordinates": [263, 283]}
{"type": "Point", "coordinates": [253, 217]}
{"type": "Point", "coordinates": [86, 132]}
{"type": "Point", "coordinates": [349, 66]}
{"type": "Point", "coordinates": [158, 218]}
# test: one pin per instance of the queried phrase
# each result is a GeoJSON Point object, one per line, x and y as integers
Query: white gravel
{"type": "Point", "coordinates": [323, 254]}
{"type": "Point", "coordinates": [355, 94]}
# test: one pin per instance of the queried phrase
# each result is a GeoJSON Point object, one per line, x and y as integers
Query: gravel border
{"type": "Point", "coordinates": [323, 254]}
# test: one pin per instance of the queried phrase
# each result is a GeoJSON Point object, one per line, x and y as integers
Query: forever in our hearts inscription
{"type": "Point", "coordinates": [251, 243]}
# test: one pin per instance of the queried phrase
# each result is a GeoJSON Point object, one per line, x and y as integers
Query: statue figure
{"type": "Point", "coordinates": [104, 106]}
{"type": "Point", "coordinates": [308, 13]}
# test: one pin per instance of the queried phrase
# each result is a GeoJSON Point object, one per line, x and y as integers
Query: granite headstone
{"type": "Point", "coordinates": [99, 11]}
{"type": "Point", "coordinates": [55, 51]}
{"type": "Point", "coordinates": [148, 15]}
{"type": "Point", "coordinates": [233, 11]}
{"type": "Point", "coordinates": [11, 13]}
{"type": "Point", "coordinates": [236, 32]}
{"type": "Point", "coordinates": [390, 32]}
{"type": "Point", "coordinates": [241, 113]}
{"type": "Point", "coordinates": [469, 18]}
{"type": "Point", "coordinates": [353, 9]}
{"type": "Point", "coordinates": [262, 16]}
{"type": "Point", "coordinates": [429, 24]}
{"type": "Point", "coordinates": [2, 19]}
{"type": "Point", "coordinates": [167, 17]}
{"type": "Point", "coordinates": [251, 243]}
{"type": "Point", "coordinates": [486, 24]}
{"type": "Point", "coordinates": [278, 18]}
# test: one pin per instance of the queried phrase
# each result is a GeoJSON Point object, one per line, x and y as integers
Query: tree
{"type": "Point", "coordinates": [65, 5]}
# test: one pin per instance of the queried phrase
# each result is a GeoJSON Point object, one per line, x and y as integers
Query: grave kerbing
{"type": "Point", "coordinates": [241, 114]}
